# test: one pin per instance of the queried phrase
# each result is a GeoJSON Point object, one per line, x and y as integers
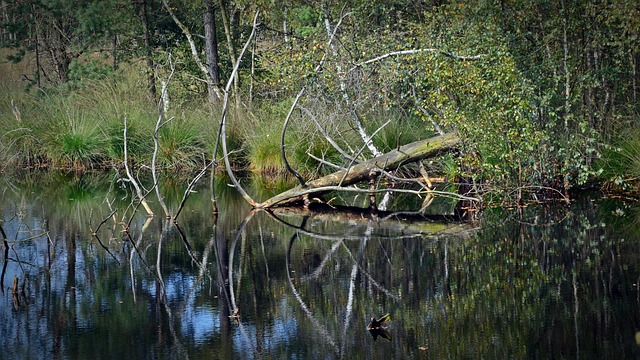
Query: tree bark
{"type": "Point", "coordinates": [226, 22]}
{"type": "Point", "coordinates": [211, 50]}
{"type": "Point", "coordinates": [151, 79]}
{"type": "Point", "coordinates": [390, 161]}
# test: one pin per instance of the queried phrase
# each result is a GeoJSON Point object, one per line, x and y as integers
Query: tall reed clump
{"type": "Point", "coordinates": [188, 139]}
{"type": "Point", "coordinates": [67, 133]}
{"type": "Point", "coordinates": [12, 110]}
{"type": "Point", "coordinates": [263, 141]}
{"type": "Point", "coordinates": [82, 126]}
{"type": "Point", "coordinates": [263, 148]}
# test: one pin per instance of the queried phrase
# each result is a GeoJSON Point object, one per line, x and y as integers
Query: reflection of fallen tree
{"type": "Point", "coordinates": [360, 225]}
{"type": "Point", "coordinates": [400, 224]}
{"type": "Point", "coordinates": [316, 324]}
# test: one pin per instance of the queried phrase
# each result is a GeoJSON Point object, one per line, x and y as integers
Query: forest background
{"type": "Point", "coordinates": [541, 93]}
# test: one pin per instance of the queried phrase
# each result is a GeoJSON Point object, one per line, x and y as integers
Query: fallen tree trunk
{"type": "Point", "coordinates": [387, 162]}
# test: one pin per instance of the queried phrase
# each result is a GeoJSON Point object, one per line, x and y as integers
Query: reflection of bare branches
{"type": "Point", "coordinates": [373, 281]}
{"type": "Point", "coordinates": [6, 257]}
{"type": "Point", "coordinates": [102, 245]}
{"type": "Point", "coordinates": [205, 257]}
{"type": "Point", "coordinates": [339, 239]}
{"type": "Point", "coordinates": [95, 234]}
{"type": "Point", "coordinates": [316, 273]}
{"type": "Point", "coordinates": [136, 244]}
{"type": "Point", "coordinates": [163, 236]}
{"type": "Point", "coordinates": [163, 298]}
{"type": "Point", "coordinates": [239, 233]}
{"type": "Point", "coordinates": [190, 187]}
{"type": "Point", "coordinates": [134, 248]}
{"type": "Point", "coordinates": [321, 329]}
{"type": "Point", "coordinates": [413, 225]}
{"type": "Point", "coordinates": [352, 285]}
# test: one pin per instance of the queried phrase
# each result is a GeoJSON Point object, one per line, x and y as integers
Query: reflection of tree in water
{"type": "Point", "coordinates": [558, 272]}
{"type": "Point", "coordinates": [304, 284]}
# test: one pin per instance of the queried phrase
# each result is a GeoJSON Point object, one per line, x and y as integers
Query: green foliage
{"type": "Point", "coordinates": [621, 161]}
{"type": "Point", "coordinates": [548, 85]}
{"type": "Point", "coordinates": [90, 70]}
{"type": "Point", "coordinates": [485, 100]}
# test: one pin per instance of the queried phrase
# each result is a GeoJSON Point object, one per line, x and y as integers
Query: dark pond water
{"type": "Point", "coordinates": [551, 281]}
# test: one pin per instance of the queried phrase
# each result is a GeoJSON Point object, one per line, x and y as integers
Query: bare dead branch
{"type": "Point", "coordinates": [325, 162]}
{"type": "Point", "coordinates": [418, 51]}
{"type": "Point", "coordinates": [282, 145]}
{"type": "Point", "coordinates": [159, 124]}
{"type": "Point", "coordinates": [361, 149]}
{"type": "Point", "coordinates": [223, 127]}
{"type": "Point", "coordinates": [390, 161]}
{"type": "Point", "coordinates": [345, 95]}
{"type": "Point", "coordinates": [130, 177]}
{"type": "Point", "coordinates": [326, 135]}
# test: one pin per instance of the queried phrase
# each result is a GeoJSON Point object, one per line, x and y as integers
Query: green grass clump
{"type": "Point", "coordinates": [180, 146]}
{"type": "Point", "coordinates": [400, 131]}
{"type": "Point", "coordinates": [621, 161]}
{"type": "Point", "coordinates": [263, 148]}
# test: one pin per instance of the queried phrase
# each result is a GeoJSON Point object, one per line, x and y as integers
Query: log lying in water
{"type": "Point", "coordinates": [390, 161]}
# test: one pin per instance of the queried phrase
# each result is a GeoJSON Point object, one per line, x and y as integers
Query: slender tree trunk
{"type": "Point", "coordinates": [285, 28]}
{"type": "Point", "coordinates": [567, 73]}
{"type": "Point", "coordinates": [37, 48]}
{"type": "Point", "coordinates": [253, 70]}
{"type": "Point", "coordinates": [114, 51]}
{"type": "Point", "coordinates": [345, 95]}
{"type": "Point", "coordinates": [226, 22]}
{"type": "Point", "coordinates": [634, 77]}
{"type": "Point", "coordinates": [5, 19]}
{"type": "Point", "coordinates": [151, 79]}
{"type": "Point", "coordinates": [211, 49]}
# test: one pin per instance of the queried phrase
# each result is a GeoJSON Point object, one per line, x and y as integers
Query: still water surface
{"type": "Point", "coordinates": [552, 281]}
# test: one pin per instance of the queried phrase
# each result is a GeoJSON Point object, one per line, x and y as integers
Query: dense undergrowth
{"type": "Point", "coordinates": [82, 127]}
{"type": "Point", "coordinates": [543, 95]}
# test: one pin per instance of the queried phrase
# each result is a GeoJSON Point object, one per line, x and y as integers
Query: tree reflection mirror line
{"type": "Point", "coordinates": [5, 242]}
{"type": "Point", "coordinates": [235, 312]}
{"type": "Point", "coordinates": [326, 336]}
{"type": "Point", "coordinates": [338, 240]}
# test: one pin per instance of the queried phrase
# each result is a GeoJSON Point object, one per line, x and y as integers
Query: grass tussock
{"type": "Point", "coordinates": [83, 127]}
{"type": "Point", "coordinates": [621, 162]}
